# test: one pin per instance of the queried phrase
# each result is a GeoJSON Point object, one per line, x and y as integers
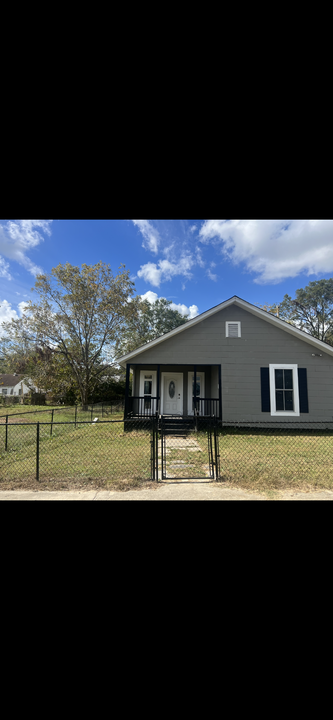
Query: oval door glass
{"type": "Point", "coordinates": [172, 389]}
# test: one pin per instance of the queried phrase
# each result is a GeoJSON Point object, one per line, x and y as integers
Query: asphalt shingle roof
{"type": "Point", "coordinates": [7, 380]}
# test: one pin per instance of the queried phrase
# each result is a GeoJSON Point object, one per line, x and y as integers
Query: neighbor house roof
{"type": "Point", "coordinates": [7, 380]}
{"type": "Point", "coordinates": [235, 300]}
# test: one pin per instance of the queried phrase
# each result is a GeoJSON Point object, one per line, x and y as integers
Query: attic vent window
{"type": "Point", "coordinates": [232, 329]}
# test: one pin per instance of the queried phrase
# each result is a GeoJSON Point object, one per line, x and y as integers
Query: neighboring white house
{"type": "Point", "coordinates": [14, 384]}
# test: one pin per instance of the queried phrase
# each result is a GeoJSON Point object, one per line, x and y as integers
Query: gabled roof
{"type": "Point", "coordinates": [7, 380]}
{"type": "Point", "coordinates": [235, 300]}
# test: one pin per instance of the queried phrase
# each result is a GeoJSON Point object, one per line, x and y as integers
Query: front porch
{"type": "Point", "coordinates": [174, 390]}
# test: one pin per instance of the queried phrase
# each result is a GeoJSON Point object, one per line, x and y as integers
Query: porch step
{"type": "Point", "coordinates": [179, 427]}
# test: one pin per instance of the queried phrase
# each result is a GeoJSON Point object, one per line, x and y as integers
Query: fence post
{"type": "Point", "coordinates": [156, 419]}
{"type": "Point", "coordinates": [102, 409]}
{"type": "Point", "coordinates": [215, 449]}
{"type": "Point", "coordinates": [52, 411]}
{"type": "Point", "coordinates": [37, 453]}
{"type": "Point", "coordinates": [152, 465]}
{"type": "Point", "coordinates": [92, 410]}
{"type": "Point", "coordinates": [75, 415]}
{"type": "Point", "coordinates": [6, 441]}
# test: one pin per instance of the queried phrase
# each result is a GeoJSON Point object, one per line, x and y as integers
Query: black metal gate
{"type": "Point", "coordinates": [186, 448]}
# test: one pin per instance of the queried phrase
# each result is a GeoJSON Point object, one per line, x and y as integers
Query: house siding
{"type": "Point", "coordinates": [261, 344]}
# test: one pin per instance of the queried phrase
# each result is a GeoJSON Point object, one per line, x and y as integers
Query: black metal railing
{"type": "Point", "coordinates": [142, 406]}
{"type": "Point", "coordinates": [207, 406]}
{"type": "Point", "coordinates": [146, 405]}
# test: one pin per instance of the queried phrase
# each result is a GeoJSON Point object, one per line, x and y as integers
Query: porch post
{"type": "Point", "coordinates": [195, 389]}
{"type": "Point", "coordinates": [126, 390]}
{"type": "Point", "coordinates": [158, 389]}
{"type": "Point", "coordinates": [220, 392]}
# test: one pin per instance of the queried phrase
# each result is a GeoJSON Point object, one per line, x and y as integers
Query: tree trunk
{"type": "Point", "coordinates": [84, 398]}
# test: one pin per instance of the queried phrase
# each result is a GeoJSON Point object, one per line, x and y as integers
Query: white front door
{"type": "Point", "coordinates": [172, 400]}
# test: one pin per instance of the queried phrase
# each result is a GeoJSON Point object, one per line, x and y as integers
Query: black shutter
{"type": "Point", "coordinates": [303, 391]}
{"type": "Point", "coordinates": [265, 396]}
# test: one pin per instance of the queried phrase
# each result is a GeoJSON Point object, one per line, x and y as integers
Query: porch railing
{"type": "Point", "coordinates": [207, 406]}
{"type": "Point", "coordinates": [142, 406]}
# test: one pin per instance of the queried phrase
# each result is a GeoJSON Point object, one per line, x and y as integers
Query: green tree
{"type": "Point", "coordinates": [79, 314]}
{"type": "Point", "coordinates": [311, 309]}
{"type": "Point", "coordinates": [147, 322]}
{"type": "Point", "coordinates": [273, 309]}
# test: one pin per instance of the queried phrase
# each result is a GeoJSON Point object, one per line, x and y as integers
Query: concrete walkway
{"type": "Point", "coordinates": [169, 491]}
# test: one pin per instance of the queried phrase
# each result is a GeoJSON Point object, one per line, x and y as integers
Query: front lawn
{"type": "Point", "coordinates": [92, 455]}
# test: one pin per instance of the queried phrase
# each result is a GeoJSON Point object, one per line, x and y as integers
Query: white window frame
{"type": "Point", "coordinates": [142, 381]}
{"type": "Point", "coordinates": [148, 411]}
{"type": "Point", "coordinates": [284, 413]}
{"type": "Point", "coordinates": [232, 322]}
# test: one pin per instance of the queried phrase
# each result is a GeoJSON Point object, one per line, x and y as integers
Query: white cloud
{"type": "Point", "coordinates": [193, 228]}
{"type": "Point", "coordinates": [17, 238]}
{"type": "Point", "coordinates": [150, 296]}
{"type": "Point", "coordinates": [7, 313]}
{"type": "Point", "coordinates": [211, 275]}
{"type": "Point", "coordinates": [274, 249]}
{"type": "Point", "coordinates": [4, 267]}
{"type": "Point", "coordinates": [151, 274]}
{"type": "Point", "coordinates": [166, 270]}
{"type": "Point", "coordinates": [199, 259]}
{"type": "Point", "coordinates": [21, 306]}
{"type": "Point", "coordinates": [151, 237]}
{"type": "Point", "coordinates": [191, 311]}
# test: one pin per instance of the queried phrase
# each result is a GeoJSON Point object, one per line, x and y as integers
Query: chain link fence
{"type": "Point", "coordinates": [273, 455]}
{"type": "Point", "coordinates": [69, 451]}
{"type": "Point", "coordinates": [277, 454]}
{"type": "Point", "coordinates": [64, 413]}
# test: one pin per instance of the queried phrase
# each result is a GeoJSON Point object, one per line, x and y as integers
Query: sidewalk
{"type": "Point", "coordinates": [170, 491]}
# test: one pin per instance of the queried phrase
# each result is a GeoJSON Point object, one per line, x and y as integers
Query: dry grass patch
{"type": "Point", "coordinates": [261, 461]}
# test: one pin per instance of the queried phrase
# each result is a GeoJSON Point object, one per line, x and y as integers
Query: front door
{"type": "Point", "coordinates": [172, 403]}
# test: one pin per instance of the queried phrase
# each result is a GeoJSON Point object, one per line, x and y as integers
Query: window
{"type": "Point", "coordinates": [232, 329]}
{"type": "Point", "coordinates": [199, 393]}
{"type": "Point", "coordinates": [4, 391]}
{"type": "Point", "coordinates": [147, 388]}
{"type": "Point", "coordinates": [283, 385]}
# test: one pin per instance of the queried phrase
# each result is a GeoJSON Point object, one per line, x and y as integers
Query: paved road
{"type": "Point", "coordinates": [168, 491]}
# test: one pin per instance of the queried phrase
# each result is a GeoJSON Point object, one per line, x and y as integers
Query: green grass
{"type": "Point", "coordinates": [101, 452]}
{"type": "Point", "coordinates": [277, 460]}
{"type": "Point", "coordinates": [104, 456]}
{"type": "Point", "coordinates": [265, 461]}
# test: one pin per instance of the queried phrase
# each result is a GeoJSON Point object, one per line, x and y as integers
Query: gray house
{"type": "Point", "coordinates": [236, 362]}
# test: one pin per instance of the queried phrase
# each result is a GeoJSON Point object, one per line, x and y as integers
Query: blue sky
{"type": "Point", "coordinates": [194, 263]}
